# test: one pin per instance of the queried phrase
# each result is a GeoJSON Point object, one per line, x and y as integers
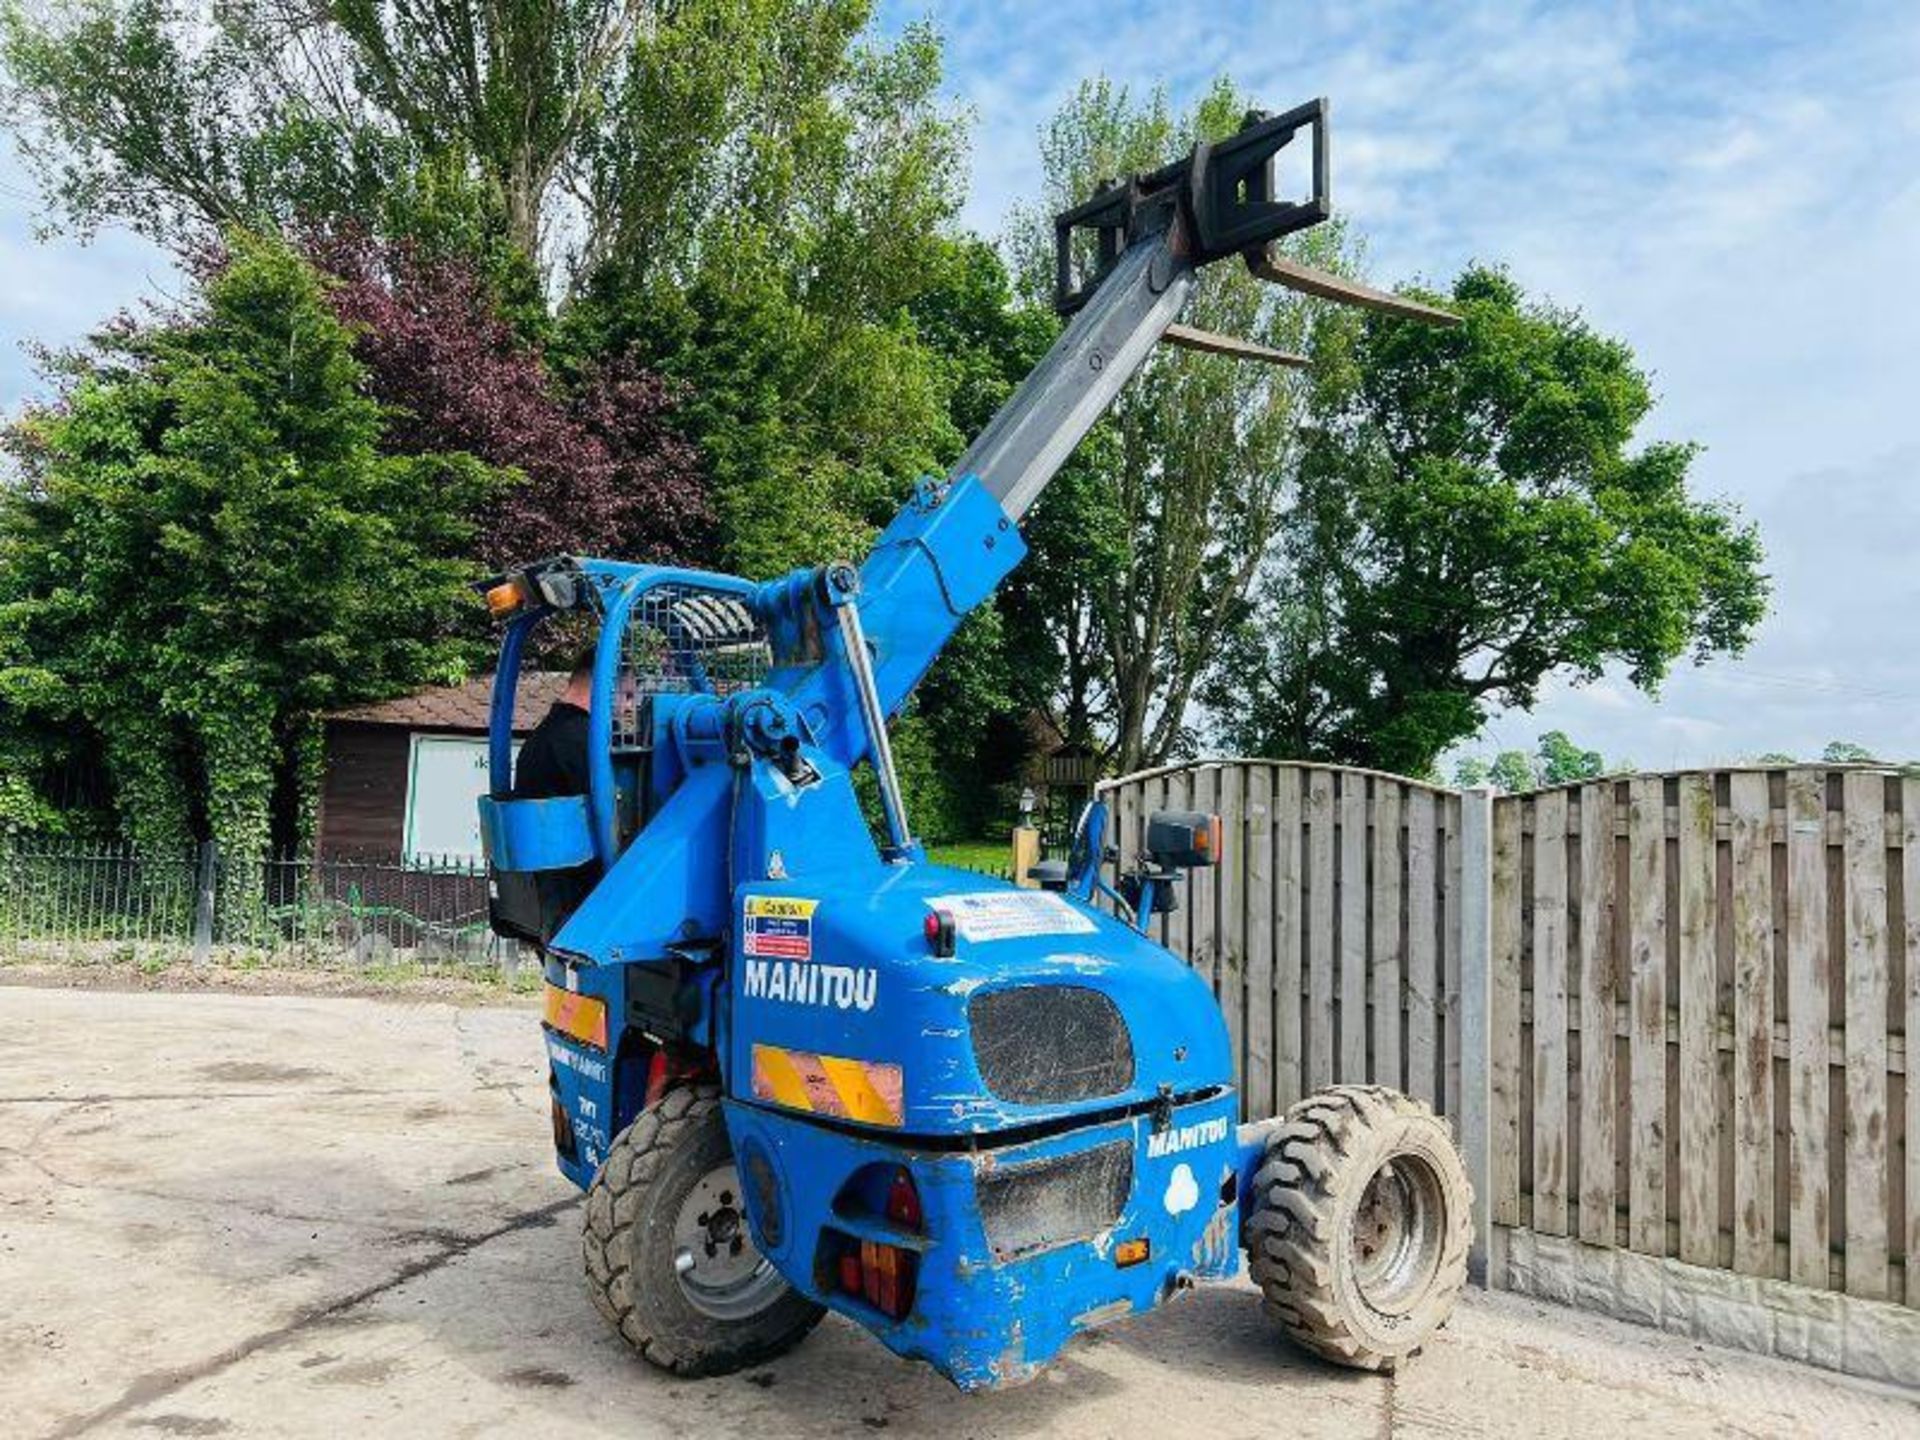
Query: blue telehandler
{"type": "Point", "coordinates": [795, 1066]}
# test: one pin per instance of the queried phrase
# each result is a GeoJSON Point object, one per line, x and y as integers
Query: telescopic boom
{"type": "Point", "coordinates": [1152, 234]}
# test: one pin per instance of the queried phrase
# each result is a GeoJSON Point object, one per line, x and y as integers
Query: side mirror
{"type": "Point", "coordinates": [1183, 839]}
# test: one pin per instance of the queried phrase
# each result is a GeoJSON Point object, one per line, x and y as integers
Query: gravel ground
{"type": "Point", "coordinates": [227, 1212]}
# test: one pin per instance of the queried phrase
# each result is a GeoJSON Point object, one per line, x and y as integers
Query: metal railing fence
{"type": "Point", "coordinates": [66, 900]}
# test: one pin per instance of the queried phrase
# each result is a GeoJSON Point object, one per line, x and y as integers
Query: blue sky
{"type": "Point", "coordinates": [1733, 188]}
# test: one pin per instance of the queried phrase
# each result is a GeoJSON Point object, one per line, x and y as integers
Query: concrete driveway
{"type": "Point", "coordinates": [290, 1215]}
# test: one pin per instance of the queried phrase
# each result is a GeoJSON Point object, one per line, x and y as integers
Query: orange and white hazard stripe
{"type": "Point", "coordinates": [580, 1016]}
{"type": "Point", "coordinates": [862, 1090]}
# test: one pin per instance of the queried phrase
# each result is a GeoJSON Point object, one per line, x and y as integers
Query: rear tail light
{"type": "Point", "coordinates": [903, 1201]}
{"type": "Point", "coordinates": [880, 1274]}
{"type": "Point", "coordinates": [887, 1278]}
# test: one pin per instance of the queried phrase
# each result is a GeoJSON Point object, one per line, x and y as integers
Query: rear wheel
{"type": "Point", "coordinates": [1360, 1227]}
{"type": "Point", "coordinates": [670, 1260]}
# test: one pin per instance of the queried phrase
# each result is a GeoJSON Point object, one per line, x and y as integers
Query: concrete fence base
{"type": "Point", "coordinates": [1868, 1338]}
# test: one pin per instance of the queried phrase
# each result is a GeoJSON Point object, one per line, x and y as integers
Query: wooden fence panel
{"type": "Point", "coordinates": [1351, 1014]}
{"type": "Point", "coordinates": [1742, 950]}
{"type": "Point", "coordinates": [1807, 1004]}
{"type": "Point", "coordinates": [1647, 1019]}
{"type": "Point", "coordinates": [1179, 795]}
{"type": "Point", "coordinates": [1227, 887]}
{"type": "Point", "coordinates": [1739, 951]}
{"type": "Point", "coordinates": [1200, 950]}
{"type": "Point", "coordinates": [1452, 895]}
{"type": "Point", "coordinates": [1550, 1012]}
{"type": "Point", "coordinates": [1258, 836]}
{"type": "Point", "coordinates": [1910, 892]}
{"type": "Point", "coordinates": [1597, 1010]}
{"type": "Point", "coordinates": [1289, 1069]}
{"type": "Point", "coordinates": [1503, 1026]}
{"type": "Point", "coordinates": [1699, 1018]}
{"type": "Point", "coordinates": [1424, 981]}
{"type": "Point", "coordinates": [1326, 929]}
{"type": "Point", "coordinates": [1865, 848]}
{"type": "Point", "coordinates": [1386, 958]}
{"type": "Point", "coordinates": [1322, 821]}
{"type": "Point", "coordinates": [1751, 834]}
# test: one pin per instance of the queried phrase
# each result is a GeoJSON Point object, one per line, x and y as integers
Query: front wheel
{"type": "Point", "coordinates": [670, 1260]}
{"type": "Point", "coordinates": [1360, 1227]}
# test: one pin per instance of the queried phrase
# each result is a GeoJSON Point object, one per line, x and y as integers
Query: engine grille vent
{"type": "Point", "coordinates": [1044, 1203]}
{"type": "Point", "coordinates": [1048, 1044]}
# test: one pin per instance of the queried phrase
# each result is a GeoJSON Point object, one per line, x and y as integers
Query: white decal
{"type": "Point", "coordinates": [1012, 914]}
{"type": "Point", "coordinates": [1183, 1191]}
{"type": "Point", "coordinates": [594, 1070]}
{"type": "Point", "coordinates": [813, 982]}
{"type": "Point", "coordinates": [1186, 1137]}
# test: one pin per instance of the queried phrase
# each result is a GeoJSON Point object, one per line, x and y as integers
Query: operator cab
{"type": "Point", "coordinates": [665, 635]}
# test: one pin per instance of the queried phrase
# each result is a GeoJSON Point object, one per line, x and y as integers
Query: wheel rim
{"type": "Point", "coordinates": [720, 1270]}
{"type": "Point", "coordinates": [1397, 1233]}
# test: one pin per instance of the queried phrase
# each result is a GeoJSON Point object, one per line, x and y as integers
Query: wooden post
{"type": "Point", "coordinates": [1475, 1109]}
{"type": "Point", "coordinates": [1549, 1061]}
{"type": "Point", "coordinates": [1599, 967]}
{"type": "Point", "coordinates": [1753, 1019]}
{"type": "Point", "coordinates": [1867, 982]}
{"type": "Point", "coordinates": [1809, 1192]}
{"type": "Point", "coordinates": [1647, 1013]}
{"type": "Point", "coordinates": [1699, 1075]}
{"type": "Point", "coordinates": [1026, 854]}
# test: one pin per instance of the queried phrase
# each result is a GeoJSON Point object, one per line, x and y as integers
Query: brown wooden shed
{"type": "Point", "coordinates": [402, 775]}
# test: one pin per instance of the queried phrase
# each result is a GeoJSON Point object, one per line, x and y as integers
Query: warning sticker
{"type": "Point", "coordinates": [1012, 914]}
{"type": "Point", "coordinates": [780, 927]}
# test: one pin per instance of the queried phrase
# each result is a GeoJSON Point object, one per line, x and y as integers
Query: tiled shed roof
{"type": "Point", "coordinates": [462, 708]}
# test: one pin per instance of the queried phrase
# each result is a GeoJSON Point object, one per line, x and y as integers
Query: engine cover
{"type": "Point", "coordinates": [1047, 1008]}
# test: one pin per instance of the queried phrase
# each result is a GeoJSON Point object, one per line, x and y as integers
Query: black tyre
{"type": "Point", "coordinates": [670, 1260]}
{"type": "Point", "coordinates": [1361, 1223]}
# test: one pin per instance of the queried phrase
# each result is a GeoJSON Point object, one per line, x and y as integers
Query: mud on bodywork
{"type": "Point", "coordinates": [1042, 1043]}
{"type": "Point", "coordinates": [1022, 1245]}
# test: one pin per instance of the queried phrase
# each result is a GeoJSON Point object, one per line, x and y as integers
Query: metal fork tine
{"type": "Point", "coordinates": [1210, 342]}
{"type": "Point", "coordinates": [1325, 285]}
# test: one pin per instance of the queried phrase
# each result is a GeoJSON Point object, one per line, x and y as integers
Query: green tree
{"type": "Point", "coordinates": [1556, 760]}
{"type": "Point", "coordinates": [1510, 771]}
{"type": "Point", "coordinates": [1513, 772]}
{"type": "Point", "coordinates": [595, 132]}
{"type": "Point", "coordinates": [1845, 752]}
{"type": "Point", "coordinates": [779, 282]}
{"type": "Point", "coordinates": [208, 550]}
{"type": "Point", "coordinates": [1562, 762]}
{"type": "Point", "coordinates": [1472, 519]}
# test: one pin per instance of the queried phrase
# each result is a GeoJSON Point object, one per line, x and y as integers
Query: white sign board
{"type": "Point", "coordinates": [445, 780]}
{"type": "Point", "coordinates": [1011, 914]}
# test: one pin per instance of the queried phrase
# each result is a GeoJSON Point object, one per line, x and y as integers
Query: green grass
{"type": "Point", "coordinates": [994, 855]}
